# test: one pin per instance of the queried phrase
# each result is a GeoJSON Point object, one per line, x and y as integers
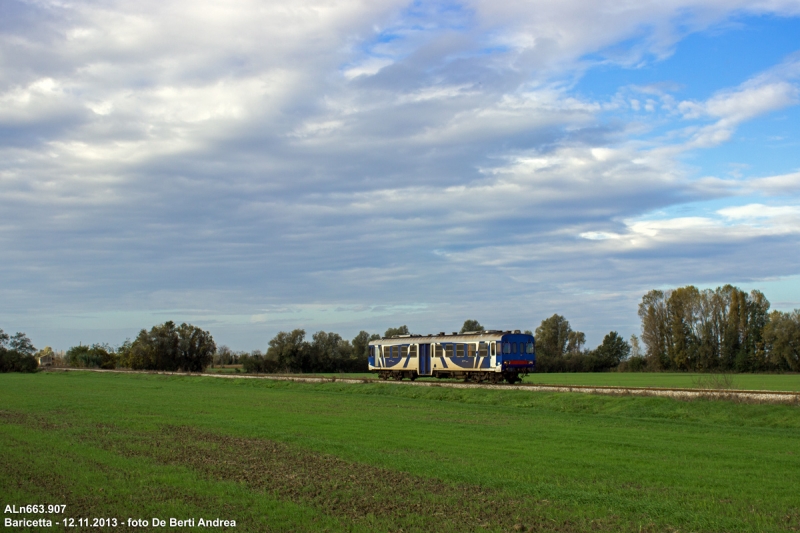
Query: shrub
{"type": "Point", "coordinates": [13, 361]}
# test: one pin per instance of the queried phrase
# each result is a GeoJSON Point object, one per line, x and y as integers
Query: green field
{"type": "Point", "coordinates": [670, 380]}
{"type": "Point", "coordinates": [280, 456]}
{"type": "Point", "coordinates": [777, 382]}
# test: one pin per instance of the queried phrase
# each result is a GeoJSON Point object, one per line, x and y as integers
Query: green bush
{"type": "Point", "coordinates": [13, 361]}
{"type": "Point", "coordinates": [96, 356]}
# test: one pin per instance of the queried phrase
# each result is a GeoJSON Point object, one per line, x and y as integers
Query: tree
{"type": "Point", "coordinates": [682, 311]}
{"type": "Point", "coordinates": [289, 350]}
{"type": "Point", "coordinates": [361, 344]}
{"type": "Point", "coordinates": [391, 332]}
{"type": "Point", "coordinates": [552, 336]}
{"type": "Point", "coordinates": [612, 351]}
{"type": "Point", "coordinates": [196, 348]}
{"type": "Point", "coordinates": [636, 349]}
{"type": "Point", "coordinates": [21, 344]}
{"type": "Point", "coordinates": [96, 356]}
{"type": "Point", "coordinates": [654, 312]}
{"type": "Point", "coordinates": [329, 352]}
{"type": "Point", "coordinates": [471, 325]}
{"type": "Point", "coordinates": [224, 356]}
{"type": "Point", "coordinates": [575, 341]}
{"type": "Point", "coordinates": [124, 354]}
{"type": "Point", "coordinates": [77, 356]}
{"type": "Point", "coordinates": [782, 336]}
{"type": "Point", "coordinates": [755, 346]}
{"type": "Point", "coordinates": [13, 360]}
{"type": "Point", "coordinates": [258, 363]}
{"type": "Point", "coordinates": [169, 347]}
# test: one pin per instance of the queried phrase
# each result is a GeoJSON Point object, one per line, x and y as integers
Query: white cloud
{"type": "Point", "coordinates": [776, 185]}
{"type": "Point", "coordinates": [368, 67]}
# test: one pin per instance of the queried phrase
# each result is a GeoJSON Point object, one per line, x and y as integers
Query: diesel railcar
{"type": "Point", "coordinates": [491, 356]}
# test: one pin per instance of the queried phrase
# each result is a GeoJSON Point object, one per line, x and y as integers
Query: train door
{"type": "Point", "coordinates": [424, 359]}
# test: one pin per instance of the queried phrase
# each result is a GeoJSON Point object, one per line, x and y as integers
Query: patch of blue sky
{"type": "Point", "coordinates": [764, 146]}
{"type": "Point", "coordinates": [418, 20]}
{"type": "Point", "coordinates": [703, 209]}
{"type": "Point", "coordinates": [701, 64]}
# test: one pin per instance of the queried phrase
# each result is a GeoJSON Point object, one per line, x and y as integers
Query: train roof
{"type": "Point", "coordinates": [467, 336]}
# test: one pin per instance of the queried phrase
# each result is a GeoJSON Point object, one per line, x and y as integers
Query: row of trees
{"type": "Point", "coordinates": [325, 352]}
{"type": "Point", "coordinates": [167, 347]}
{"type": "Point", "coordinates": [722, 329]}
{"type": "Point", "coordinates": [560, 349]}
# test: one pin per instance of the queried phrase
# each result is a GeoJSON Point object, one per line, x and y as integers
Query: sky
{"type": "Point", "coordinates": [258, 166]}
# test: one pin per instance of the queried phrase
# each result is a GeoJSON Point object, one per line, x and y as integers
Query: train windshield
{"type": "Point", "coordinates": [529, 348]}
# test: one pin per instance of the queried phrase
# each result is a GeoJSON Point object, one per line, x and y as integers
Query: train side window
{"type": "Point", "coordinates": [403, 351]}
{"type": "Point", "coordinates": [513, 347]}
{"type": "Point", "coordinates": [437, 350]}
{"type": "Point", "coordinates": [483, 349]}
{"type": "Point", "coordinates": [448, 350]}
{"type": "Point", "coordinates": [372, 351]}
{"type": "Point", "coordinates": [412, 350]}
{"type": "Point", "coordinates": [472, 350]}
{"type": "Point", "coordinates": [459, 350]}
{"type": "Point", "coordinates": [493, 348]}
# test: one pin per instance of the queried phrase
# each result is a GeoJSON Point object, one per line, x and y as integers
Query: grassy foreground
{"type": "Point", "coordinates": [278, 456]}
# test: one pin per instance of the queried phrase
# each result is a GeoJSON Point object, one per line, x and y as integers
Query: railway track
{"type": "Point", "coordinates": [725, 394]}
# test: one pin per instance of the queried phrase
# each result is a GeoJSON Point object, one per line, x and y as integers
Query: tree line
{"type": "Point", "coordinates": [166, 347]}
{"type": "Point", "coordinates": [684, 329]}
{"type": "Point", "coordinates": [325, 352]}
{"type": "Point", "coordinates": [723, 329]}
{"type": "Point", "coordinates": [559, 348]}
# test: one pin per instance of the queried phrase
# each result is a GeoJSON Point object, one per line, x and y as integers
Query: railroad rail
{"type": "Point", "coordinates": [765, 396]}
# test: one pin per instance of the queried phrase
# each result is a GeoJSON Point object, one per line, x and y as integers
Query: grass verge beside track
{"type": "Point", "coordinates": [678, 380]}
{"type": "Point", "coordinates": [667, 380]}
{"type": "Point", "coordinates": [281, 456]}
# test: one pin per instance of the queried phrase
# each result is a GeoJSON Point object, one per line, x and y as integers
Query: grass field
{"type": "Point", "coordinates": [680, 380]}
{"type": "Point", "coordinates": [279, 456]}
{"type": "Point", "coordinates": [778, 382]}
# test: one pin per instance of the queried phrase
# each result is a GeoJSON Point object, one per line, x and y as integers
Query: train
{"type": "Point", "coordinates": [490, 356]}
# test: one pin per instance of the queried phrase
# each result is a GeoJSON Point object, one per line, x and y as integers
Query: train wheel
{"type": "Point", "coordinates": [397, 376]}
{"type": "Point", "coordinates": [512, 378]}
{"type": "Point", "coordinates": [413, 376]}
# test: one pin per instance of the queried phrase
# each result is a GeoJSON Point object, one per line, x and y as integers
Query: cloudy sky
{"type": "Point", "coordinates": [255, 166]}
